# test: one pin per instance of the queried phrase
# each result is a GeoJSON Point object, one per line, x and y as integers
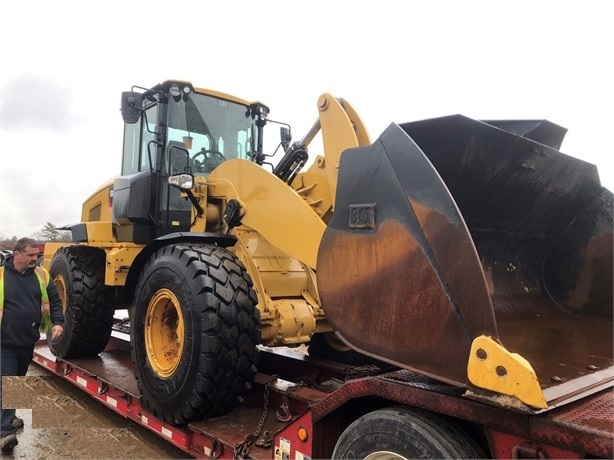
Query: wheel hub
{"type": "Point", "coordinates": [164, 333]}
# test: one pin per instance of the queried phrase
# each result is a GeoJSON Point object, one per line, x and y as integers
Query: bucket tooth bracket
{"type": "Point", "coordinates": [494, 368]}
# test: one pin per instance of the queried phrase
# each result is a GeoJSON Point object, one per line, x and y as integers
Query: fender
{"type": "Point", "coordinates": [171, 238]}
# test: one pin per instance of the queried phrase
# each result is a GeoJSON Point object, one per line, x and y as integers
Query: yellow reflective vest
{"type": "Point", "coordinates": [43, 280]}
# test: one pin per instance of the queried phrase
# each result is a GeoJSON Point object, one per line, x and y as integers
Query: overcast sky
{"type": "Point", "coordinates": [65, 64]}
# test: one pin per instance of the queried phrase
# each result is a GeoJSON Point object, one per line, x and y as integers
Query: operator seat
{"type": "Point", "coordinates": [177, 160]}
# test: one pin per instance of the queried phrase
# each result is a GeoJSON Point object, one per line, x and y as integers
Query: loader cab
{"type": "Point", "coordinates": [169, 129]}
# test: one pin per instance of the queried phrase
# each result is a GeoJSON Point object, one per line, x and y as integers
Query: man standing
{"type": "Point", "coordinates": [29, 303]}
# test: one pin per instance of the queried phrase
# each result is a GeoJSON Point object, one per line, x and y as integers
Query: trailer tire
{"type": "Point", "coordinates": [78, 273]}
{"type": "Point", "coordinates": [195, 331]}
{"type": "Point", "coordinates": [403, 432]}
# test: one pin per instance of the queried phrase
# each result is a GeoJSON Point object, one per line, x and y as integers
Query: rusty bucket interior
{"type": "Point", "coordinates": [452, 228]}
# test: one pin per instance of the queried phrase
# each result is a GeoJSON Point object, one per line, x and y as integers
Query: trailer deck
{"type": "Point", "coordinates": [298, 406]}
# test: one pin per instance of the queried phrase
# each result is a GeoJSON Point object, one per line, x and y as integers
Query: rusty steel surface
{"type": "Point", "coordinates": [581, 426]}
{"type": "Point", "coordinates": [230, 429]}
{"type": "Point", "coordinates": [437, 239]}
{"type": "Point", "coordinates": [542, 226]}
{"type": "Point", "coordinates": [410, 290]}
{"type": "Point", "coordinates": [263, 408]}
{"type": "Point", "coordinates": [113, 366]}
{"type": "Point", "coordinates": [528, 207]}
{"type": "Point", "coordinates": [560, 347]}
{"type": "Point", "coordinates": [410, 388]}
{"type": "Point", "coordinates": [586, 425]}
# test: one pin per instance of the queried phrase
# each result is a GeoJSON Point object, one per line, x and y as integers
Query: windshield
{"type": "Point", "coordinates": [213, 130]}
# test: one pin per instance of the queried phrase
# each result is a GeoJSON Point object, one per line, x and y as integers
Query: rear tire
{"type": "Point", "coordinates": [78, 273]}
{"type": "Point", "coordinates": [194, 332]}
{"type": "Point", "coordinates": [403, 432]}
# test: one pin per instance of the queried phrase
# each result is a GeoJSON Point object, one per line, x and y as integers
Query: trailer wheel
{"type": "Point", "coordinates": [78, 273]}
{"type": "Point", "coordinates": [194, 332]}
{"type": "Point", "coordinates": [402, 432]}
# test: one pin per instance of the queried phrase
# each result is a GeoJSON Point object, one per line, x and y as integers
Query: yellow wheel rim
{"type": "Point", "coordinates": [164, 333]}
{"type": "Point", "coordinates": [60, 284]}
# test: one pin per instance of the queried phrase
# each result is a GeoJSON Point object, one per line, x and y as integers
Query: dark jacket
{"type": "Point", "coordinates": [21, 318]}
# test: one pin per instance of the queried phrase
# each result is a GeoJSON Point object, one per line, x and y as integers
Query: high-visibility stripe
{"type": "Point", "coordinates": [43, 280]}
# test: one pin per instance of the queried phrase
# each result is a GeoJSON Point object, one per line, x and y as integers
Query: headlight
{"type": "Point", "coordinates": [175, 91]}
{"type": "Point", "coordinates": [182, 181]}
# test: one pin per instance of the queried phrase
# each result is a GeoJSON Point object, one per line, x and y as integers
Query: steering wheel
{"type": "Point", "coordinates": [211, 160]}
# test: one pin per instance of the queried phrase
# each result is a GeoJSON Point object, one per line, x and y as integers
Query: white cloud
{"type": "Point", "coordinates": [36, 103]}
{"type": "Point", "coordinates": [60, 128]}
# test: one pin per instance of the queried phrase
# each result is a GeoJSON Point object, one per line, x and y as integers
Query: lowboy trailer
{"type": "Point", "coordinates": [303, 408]}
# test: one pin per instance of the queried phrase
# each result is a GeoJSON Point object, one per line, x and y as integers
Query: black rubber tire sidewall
{"type": "Point", "coordinates": [88, 313]}
{"type": "Point", "coordinates": [218, 305]}
{"type": "Point", "coordinates": [406, 432]}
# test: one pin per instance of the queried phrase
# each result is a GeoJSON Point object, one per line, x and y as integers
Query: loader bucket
{"type": "Point", "coordinates": [477, 254]}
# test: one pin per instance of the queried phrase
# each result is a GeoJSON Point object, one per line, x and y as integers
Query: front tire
{"type": "Point", "coordinates": [195, 329]}
{"type": "Point", "coordinates": [78, 273]}
{"type": "Point", "coordinates": [402, 433]}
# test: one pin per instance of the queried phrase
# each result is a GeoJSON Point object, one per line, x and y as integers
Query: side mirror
{"type": "Point", "coordinates": [284, 134]}
{"type": "Point", "coordinates": [285, 137]}
{"type": "Point", "coordinates": [131, 106]}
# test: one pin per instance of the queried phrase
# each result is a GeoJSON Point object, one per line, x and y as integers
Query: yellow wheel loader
{"type": "Point", "coordinates": [473, 252]}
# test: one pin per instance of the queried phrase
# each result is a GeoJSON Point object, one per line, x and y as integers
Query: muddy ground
{"type": "Point", "coordinates": [63, 422]}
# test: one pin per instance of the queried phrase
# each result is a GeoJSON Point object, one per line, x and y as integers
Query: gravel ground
{"type": "Point", "coordinates": [63, 422]}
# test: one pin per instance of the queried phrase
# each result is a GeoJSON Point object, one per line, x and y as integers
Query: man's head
{"type": "Point", "coordinates": [25, 254]}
